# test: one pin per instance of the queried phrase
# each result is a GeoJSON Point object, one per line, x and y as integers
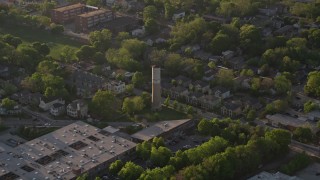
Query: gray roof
{"type": "Point", "coordinates": [158, 129]}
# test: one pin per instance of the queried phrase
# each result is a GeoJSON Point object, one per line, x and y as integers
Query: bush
{"type": "Point", "coordinates": [300, 161]}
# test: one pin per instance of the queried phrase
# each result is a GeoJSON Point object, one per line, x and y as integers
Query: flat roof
{"type": "Point", "coordinates": [62, 154]}
{"type": "Point", "coordinates": [158, 129]}
{"type": "Point", "coordinates": [70, 7]}
{"type": "Point", "coordinates": [93, 13]}
{"type": "Point", "coordinates": [276, 176]}
{"type": "Point", "coordinates": [285, 120]}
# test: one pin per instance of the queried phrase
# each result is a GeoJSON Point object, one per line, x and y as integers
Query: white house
{"type": "Point", "coordinates": [77, 109]}
{"type": "Point", "coordinates": [46, 104]}
{"type": "Point", "coordinates": [138, 32]}
{"type": "Point", "coordinates": [178, 15]}
{"type": "Point", "coordinates": [117, 87]}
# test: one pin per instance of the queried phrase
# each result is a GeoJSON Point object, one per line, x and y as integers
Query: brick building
{"type": "Point", "coordinates": [88, 20]}
{"type": "Point", "coordinates": [67, 13]}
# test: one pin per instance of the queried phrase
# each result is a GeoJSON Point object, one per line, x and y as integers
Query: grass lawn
{"type": "Point", "coordinates": [164, 114]}
{"type": "Point", "coordinates": [29, 35]}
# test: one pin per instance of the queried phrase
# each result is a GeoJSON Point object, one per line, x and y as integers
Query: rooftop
{"type": "Point", "coordinates": [73, 6]}
{"type": "Point", "coordinates": [62, 154]}
{"type": "Point", "coordinates": [93, 13]}
{"type": "Point", "coordinates": [276, 176]}
{"type": "Point", "coordinates": [158, 129]}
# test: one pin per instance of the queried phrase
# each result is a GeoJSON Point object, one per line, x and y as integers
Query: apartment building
{"type": "Point", "coordinates": [90, 19]}
{"type": "Point", "coordinates": [67, 13]}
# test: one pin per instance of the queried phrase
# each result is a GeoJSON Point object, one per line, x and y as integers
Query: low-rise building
{"type": "Point", "coordinates": [163, 129]}
{"type": "Point", "coordinates": [67, 13]}
{"type": "Point", "coordinates": [47, 103]}
{"type": "Point", "coordinates": [221, 92]}
{"type": "Point", "coordinates": [270, 176]}
{"type": "Point", "coordinates": [90, 19]}
{"type": "Point", "coordinates": [57, 109]}
{"type": "Point", "coordinates": [65, 154]}
{"type": "Point", "coordinates": [77, 109]}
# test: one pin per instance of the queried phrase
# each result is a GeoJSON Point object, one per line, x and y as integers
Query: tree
{"type": "Point", "coordinates": [211, 65]}
{"type": "Point", "coordinates": [189, 109]}
{"type": "Point", "coordinates": [137, 79]}
{"type": "Point", "coordinates": [115, 167]}
{"type": "Point", "coordinates": [135, 47]}
{"type": "Point", "coordinates": [56, 28]}
{"type": "Point", "coordinates": [314, 37]}
{"type": "Point", "coordinates": [310, 106]}
{"type": "Point", "coordinates": [172, 64]}
{"type": "Point", "coordinates": [48, 67]}
{"type": "Point", "coordinates": [149, 12]}
{"type": "Point", "coordinates": [282, 84]}
{"type": "Point", "coordinates": [251, 115]}
{"type": "Point", "coordinates": [94, 2]}
{"type": "Point", "coordinates": [146, 97]}
{"type": "Point", "coordinates": [46, 7]}
{"type": "Point", "coordinates": [12, 40]}
{"type": "Point", "coordinates": [143, 150]}
{"type": "Point", "coordinates": [67, 54]}
{"type": "Point", "coordinates": [151, 26]}
{"type": "Point", "coordinates": [157, 142]}
{"type": "Point", "coordinates": [122, 36]}
{"type": "Point", "coordinates": [205, 127]}
{"type": "Point", "coordinates": [130, 171]}
{"type": "Point", "coordinates": [221, 42]}
{"type": "Point", "coordinates": [42, 48]}
{"type": "Point", "coordinates": [303, 134]}
{"type": "Point", "coordinates": [103, 103]}
{"type": "Point", "coordinates": [132, 105]}
{"type": "Point", "coordinates": [158, 173]}
{"type": "Point", "coordinates": [160, 156]}
{"type": "Point", "coordinates": [281, 137]}
{"type": "Point", "coordinates": [225, 77]}
{"type": "Point", "coordinates": [312, 86]}
{"type": "Point", "coordinates": [167, 101]}
{"type": "Point", "coordinates": [101, 40]}
{"type": "Point", "coordinates": [8, 103]}
{"type": "Point", "coordinates": [83, 177]}
{"type": "Point", "coordinates": [168, 10]}
{"type": "Point", "coordinates": [85, 52]}
{"type": "Point", "coordinates": [175, 104]}
{"type": "Point", "coordinates": [250, 38]}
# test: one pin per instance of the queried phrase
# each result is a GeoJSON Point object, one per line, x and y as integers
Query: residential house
{"type": "Point", "coordinates": [193, 98]}
{"type": "Point", "coordinates": [86, 84]}
{"type": "Point", "coordinates": [208, 74]}
{"type": "Point", "coordinates": [200, 86]}
{"type": "Point", "coordinates": [228, 54]}
{"type": "Point", "coordinates": [252, 103]}
{"type": "Point", "coordinates": [183, 81]}
{"type": "Point", "coordinates": [138, 32]}
{"type": "Point", "coordinates": [242, 82]}
{"type": "Point", "coordinates": [47, 103]}
{"type": "Point", "coordinates": [209, 101]}
{"type": "Point", "coordinates": [218, 19]}
{"type": "Point", "coordinates": [193, 48]}
{"type": "Point", "coordinates": [202, 55]}
{"type": "Point", "coordinates": [15, 111]}
{"type": "Point", "coordinates": [57, 109]}
{"type": "Point", "coordinates": [221, 92]}
{"type": "Point", "coordinates": [268, 11]}
{"type": "Point", "coordinates": [287, 31]}
{"type": "Point", "coordinates": [236, 63]}
{"type": "Point", "coordinates": [77, 109]}
{"type": "Point", "coordinates": [25, 97]}
{"type": "Point", "coordinates": [178, 92]}
{"type": "Point", "coordinates": [117, 87]}
{"type": "Point", "coordinates": [4, 71]}
{"type": "Point", "coordinates": [231, 109]}
{"type": "Point", "coordinates": [178, 15]}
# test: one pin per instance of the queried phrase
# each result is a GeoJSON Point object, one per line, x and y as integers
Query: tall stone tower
{"type": "Point", "coordinates": [156, 88]}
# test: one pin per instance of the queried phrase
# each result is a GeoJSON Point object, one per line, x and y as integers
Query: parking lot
{"type": "Point", "coordinates": [185, 142]}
